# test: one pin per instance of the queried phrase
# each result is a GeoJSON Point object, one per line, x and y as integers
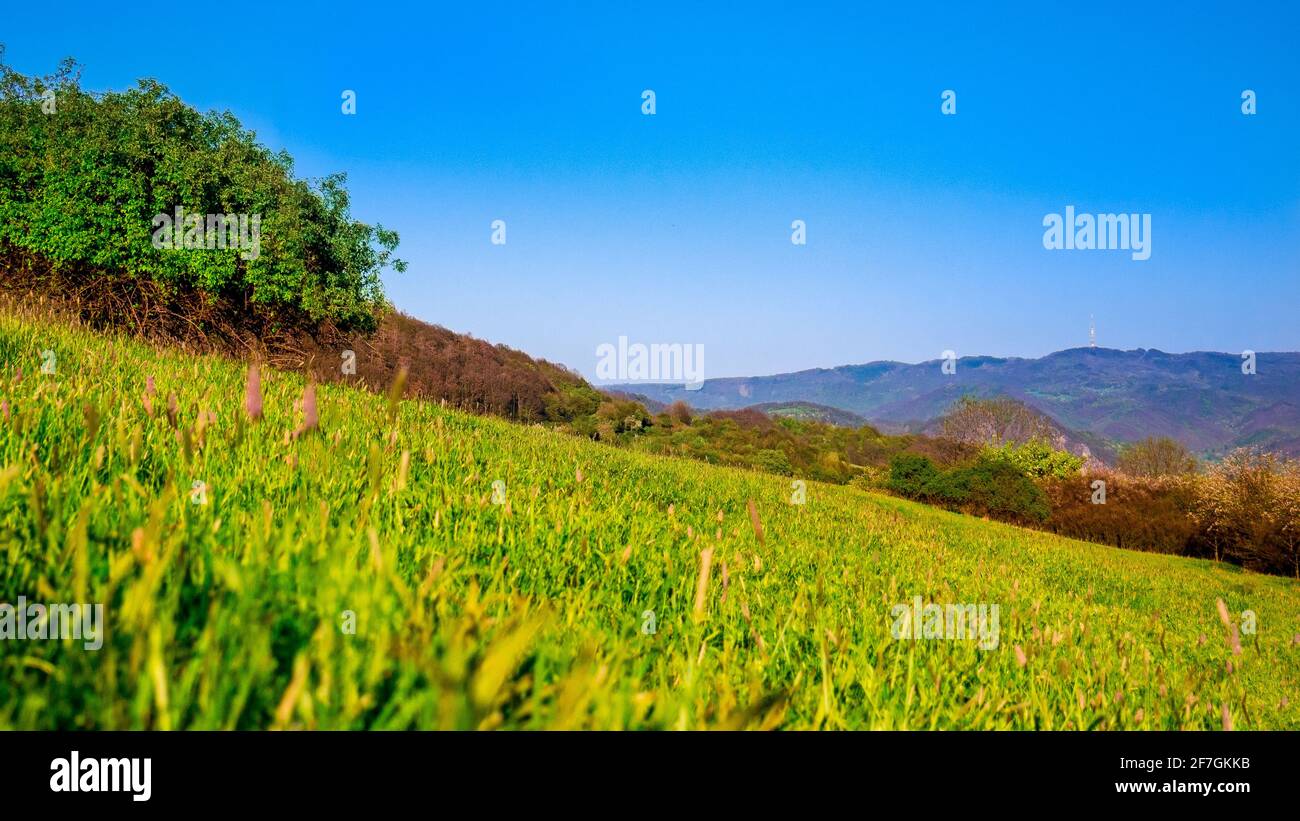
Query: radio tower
{"type": "Point", "coordinates": [1092, 332]}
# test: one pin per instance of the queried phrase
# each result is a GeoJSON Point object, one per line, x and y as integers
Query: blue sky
{"type": "Point", "coordinates": [924, 231]}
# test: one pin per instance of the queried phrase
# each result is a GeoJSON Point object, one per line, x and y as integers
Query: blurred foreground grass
{"type": "Point", "coordinates": [573, 599]}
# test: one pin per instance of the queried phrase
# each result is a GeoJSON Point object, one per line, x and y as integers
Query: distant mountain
{"type": "Point", "coordinates": [1201, 399]}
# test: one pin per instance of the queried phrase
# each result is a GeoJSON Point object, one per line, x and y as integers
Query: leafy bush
{"type": "Point", "coordinates": [991, 486]}
{"type": "Point", "coordinates": [569, 403]}
{"type": "Point", "coordinates": [621, 416]}
{"type": "Point", "coordinates": [1036, 459]}
{"type": "Point", "coordinates": [774, 461]}
{"type": "Point", "coordinates": [912, 476]}
{"type": "Point", "coordinates": [82, 176]}
{"type": "Point", "coordinates": [811, 449]}
{"type": "Point", "coordinates": [996, 486]}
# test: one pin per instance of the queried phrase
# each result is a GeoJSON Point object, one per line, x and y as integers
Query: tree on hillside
{"type": "Point", "coordinates": [1157, 456]}
{"type": "Point", "coordinates": [1211, 511]}
{"type": "Point", "coordinates": [995, 422]}
{"type": "Point", "coordinates": [1244, 509]}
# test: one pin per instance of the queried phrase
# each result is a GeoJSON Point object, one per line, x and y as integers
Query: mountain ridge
{"type": "Point", "coordinates": [1204, 399]}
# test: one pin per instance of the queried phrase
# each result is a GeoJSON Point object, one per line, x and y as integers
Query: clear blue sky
{"type": "Point", "coordinates": [924, 230]}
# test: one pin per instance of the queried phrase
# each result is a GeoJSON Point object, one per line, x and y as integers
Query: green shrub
{"type": "Point", "coordinates": [997, 487]}
{"type": "Point", "coordinates": [570, 403]}
{"type": "Point", "coordinates": [951, 488]}
{"type": "Point", "coordinates": [1037, 459]}
{"type": "Point", "coordinates": [773, 461]}
{"type": "Point", "coordinates": [991, 485]}
{"type": "Point", "coordinates": [82, 177]}
{"type": "Point", "coordinates": [911, 475]}
{"type": "Point", "coordinates": [622, 415]}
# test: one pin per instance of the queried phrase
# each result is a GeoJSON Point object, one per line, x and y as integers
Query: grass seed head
{"type": "Point", "coordinates": [253, 393]}
{"type": "Point", "coordinates": [753, 519]}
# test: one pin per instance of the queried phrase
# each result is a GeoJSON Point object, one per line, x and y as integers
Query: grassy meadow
{"type": "Point", "coordinates": [229, 603]}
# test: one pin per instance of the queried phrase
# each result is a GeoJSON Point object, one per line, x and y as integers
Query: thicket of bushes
{"type": "Point", "coordinates": [1150, 514]}
{"type": "Point", "coordinates": [991, 485]}
{"type": "Point", "coordinates": [82, 176]}
{"type": "Point", "coordinates": [998, 482]}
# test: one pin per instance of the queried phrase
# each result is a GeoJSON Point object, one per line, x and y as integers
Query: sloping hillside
{"type": "Point", "coordinates": [467, 373]}
{"type": "Point", "coordinates": [404, 565]}
{"type": "Point", "coordinates": [442, 365]}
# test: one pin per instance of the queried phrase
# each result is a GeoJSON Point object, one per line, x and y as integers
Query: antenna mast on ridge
{"type": "Point", "coordinates": [1092, 332]}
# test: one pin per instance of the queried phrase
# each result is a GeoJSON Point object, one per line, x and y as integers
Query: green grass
{"type": "Point", "coordinates": [471, 614]}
